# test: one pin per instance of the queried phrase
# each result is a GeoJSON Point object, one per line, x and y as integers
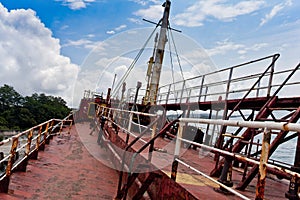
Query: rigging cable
{"type": "Point", "coordinates": [178, 59]}
{"type": "Point", "coordinates": [115, 91]}
{"type": "Point", "coordinates": [172, 66]}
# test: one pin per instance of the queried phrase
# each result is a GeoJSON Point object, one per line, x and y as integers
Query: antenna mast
{"type": "Point", "coordinates": [159, 56]}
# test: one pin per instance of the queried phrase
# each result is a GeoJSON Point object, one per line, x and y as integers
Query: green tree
{"type": "Point", "coordinates": [9, 98]}
{"type": "Point", "coordinates": [3, 124]}
{"type": "Point", "coordinates": [17, 112]}
{"type": "Point", "coordinates": [46, 107]}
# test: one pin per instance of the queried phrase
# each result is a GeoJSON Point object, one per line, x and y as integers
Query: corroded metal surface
{"type": "Point", "coordinates": [64, 170]}
{"type": "Point", "coordinates": [260, 187]}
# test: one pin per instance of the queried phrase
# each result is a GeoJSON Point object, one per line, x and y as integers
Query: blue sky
{"type": "Point", "coordinates": [44, 43]}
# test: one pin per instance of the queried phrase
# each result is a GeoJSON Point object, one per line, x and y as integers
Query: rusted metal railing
{"type": "Point", "coordinates": [22, 147]}
{"type": "Point", "coordinates": [228, 83]}
{"type": "Point", "coordinates": [127, 164]}
{"type": "Point", "coordinates": [263, 163]}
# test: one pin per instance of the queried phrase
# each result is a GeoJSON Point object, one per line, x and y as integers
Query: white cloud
{"type": "Point", "coordinates": [85, 43]}
{"type": "Point", "coordinates": [150, 13]}
{"type": "Point", "coordinates": [219, 9]}
{"type": "Point", "coordinates": [110, 32]}
{"type": "Point", "coordinates": [135, 20]}
{"type": "Point", "coordinates": [145, 2]}
{"type": "Point", "coordinates": [30, 59]}
{"type": "Point", "coordinates": [141, 2]}
{"type": "Point", "coordinates": [227, 46]}
{"type": "Point", "coordinates": [223, 47]}
{"type": "Point", "coordinates": [90, 35]}
{"type": "Point", "coordinates": [275, 10]}
{"type": "Point", "coordinates": [76, 4]}
{"type": "Point", "coordinates": [119, 28]}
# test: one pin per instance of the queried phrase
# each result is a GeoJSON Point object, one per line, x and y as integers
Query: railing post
{"type": "Point", "coordinates": [43, 137]}
{"type": "Point", "coordinates": [29, 140]}
{"type": "Point", "coordinates": [4, 184]}
{"type": "Point", "coordinates": [182, 90]}
{"type": "Point", "coordinates": [22, 166]}
{"type": "Point", "coordinates": [201, 88]}
{"type": "Point", "coordinates": [177, 151]}
{"type": "Point", "coordinates": [152, 144]}
{"type": "Point", "coordinates": [37, 145]}
{"type": "Point", "coordinates": [70, 127]}
{"type": "Point", "coordinates": [188, 95]}
{"type": "Point", "coordinates": [271, 77]}
{"type": "Point", "coordinates": [46, 139]}
{"type": "Point", "coordinates": [61, 127]}
{"type": "Point", "coordinates": [2, 167]}
{"type": "Point", "coordinates": [258, 87]}
{"type": "Point", "coordinates": [129, 127]}
{"type": "Point", "coordinates": [168, 94]}
{"type": "Point", "coordinates": [228, 84]}
{"type": "Point", "coordinates": [50, 132]}
{"type": "Point", "coordinates": [205, 94]}
{"type": "Point", "coordinates": [262, 174]}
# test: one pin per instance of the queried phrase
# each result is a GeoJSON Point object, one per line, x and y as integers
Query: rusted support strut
{"type": "Point", "coordinates": [260, 187]}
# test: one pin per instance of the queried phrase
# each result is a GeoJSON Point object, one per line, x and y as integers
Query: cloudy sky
{"type": "Point", "coordinates": [45, 45]}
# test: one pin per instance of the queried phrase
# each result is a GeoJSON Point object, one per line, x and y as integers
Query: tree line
{"type": "Point", "coordinates": [20, 113]}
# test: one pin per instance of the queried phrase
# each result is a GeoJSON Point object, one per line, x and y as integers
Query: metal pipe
{"type": "Point", "coordinates": [250, 124]}
{"type": "Point", "coordinates": [128, 111]}
{"type": "Point", "coordinates": [241, 158]}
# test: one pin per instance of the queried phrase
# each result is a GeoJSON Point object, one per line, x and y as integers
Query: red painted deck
{"type": "Point", "coordinates": [64, 170]}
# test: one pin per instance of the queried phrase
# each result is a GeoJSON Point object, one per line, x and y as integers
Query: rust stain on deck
{"type": "Point", "coordinates": [64, 170]}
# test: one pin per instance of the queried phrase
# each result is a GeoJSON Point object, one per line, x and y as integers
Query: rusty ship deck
{"type": "Point", "coordinates": [107, 154]}
{"type": "Point", "coordinates": [66, 169]}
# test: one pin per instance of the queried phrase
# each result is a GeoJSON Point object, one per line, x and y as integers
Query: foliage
{"type": "Point", "coordinates": [19, 113]}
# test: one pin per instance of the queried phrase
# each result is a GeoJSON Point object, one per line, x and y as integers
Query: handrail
{"type": "Point", "coordinates": [149, 143]}
{"type": "Point", "coordinates": [111, 112]}
{"type": "Point", "coordinates": [42, 132]}
{"type": "Point", "coordinates": [121, 192]}
{"type": "Point", "coordinates": [263, 163]}
{"type": "Point", "coordinates": [126, 149]}
{"type": "Point", "coordinates": [219, 83]}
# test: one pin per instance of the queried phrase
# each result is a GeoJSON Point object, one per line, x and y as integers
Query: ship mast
{"type": "Point", "coordinates": [151, 92]}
